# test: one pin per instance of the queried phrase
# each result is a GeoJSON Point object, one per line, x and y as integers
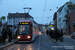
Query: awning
{"type": "Point", "coordinates": [73, 23]}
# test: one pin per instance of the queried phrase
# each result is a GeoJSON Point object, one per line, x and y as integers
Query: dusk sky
{"type": "Point", "coordinates": [38, 6]}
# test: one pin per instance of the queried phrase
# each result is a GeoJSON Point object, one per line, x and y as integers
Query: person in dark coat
{"type": "Point", "coordinates": [61, 33]}
{"type": "Point", "coordinates": [10, 35]}
{"type": "Point", "coordinates": [16, 33]}
{"type": "Point", "coordinates": [56, 35]}
{"type": "Point", "coordinates": [4, 35]}
{"type": "Point", "coordinates": [47, 32]}
{"type": "Point", "coordinates": [51, 34]}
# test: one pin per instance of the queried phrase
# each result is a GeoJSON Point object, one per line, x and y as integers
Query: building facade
{"type": "Point", "coordinates": [71, 22]}
{"type": "Point", "coordinates": [61, 19]}
{"type": "Point", "coordinates": [14, 18]}
{"type": "Point", "coordinates": [55, 20]}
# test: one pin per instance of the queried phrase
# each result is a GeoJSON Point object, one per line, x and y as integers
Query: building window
{"type": "Point", "coordinates": [14, 21]}
{"type": "Point", "coordinates": [9, 18]}
{"type": "Point", "coordinates": [22, 18]}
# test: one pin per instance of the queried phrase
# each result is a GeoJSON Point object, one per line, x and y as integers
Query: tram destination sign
{"type": "Point", "coordinates": [23, 23]}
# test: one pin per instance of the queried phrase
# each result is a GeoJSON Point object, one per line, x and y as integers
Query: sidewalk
{"type": "Point", "coordinates": [67, 35]}
{"type": "Point", "coordinates": [64, 43]}
{"type": "Point", "coordinates": [7, 43]}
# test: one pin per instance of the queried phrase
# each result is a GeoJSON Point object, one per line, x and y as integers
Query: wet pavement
{"type": "Point", "coordinates": [42, 42]}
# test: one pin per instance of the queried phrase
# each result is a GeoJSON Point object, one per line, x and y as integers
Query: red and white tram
{"type": "Point", "coordinates": [26, 31]}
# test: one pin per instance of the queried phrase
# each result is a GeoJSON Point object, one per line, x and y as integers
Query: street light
{"type": "Point", "coordinates": [27, 8]}
{"type": "Point", "coordinates": [50, 9]}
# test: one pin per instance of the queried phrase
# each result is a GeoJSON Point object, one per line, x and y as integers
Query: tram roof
{"type": "Point", "coordinates": [25, 21]}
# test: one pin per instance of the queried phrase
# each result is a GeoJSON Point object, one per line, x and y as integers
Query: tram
{"type": "Point", "coordinates": [26, 31]}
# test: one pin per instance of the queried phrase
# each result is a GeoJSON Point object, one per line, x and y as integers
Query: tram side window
{"type": "Point", "coordinates": [31, 29]}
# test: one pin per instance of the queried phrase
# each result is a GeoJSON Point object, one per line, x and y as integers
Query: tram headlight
{"type": "Point", "coordinates": [28, 37]}
{"type": "Point", "coordinates": [18, 37]}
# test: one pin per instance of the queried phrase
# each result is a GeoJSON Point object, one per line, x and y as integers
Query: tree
{"type": "Point", "coordinates": [71, 7]}
{"type": "Point", "coordinates": [3, 17]}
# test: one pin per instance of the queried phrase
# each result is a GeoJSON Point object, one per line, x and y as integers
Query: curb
{"type": "Point", "coordinates": [3, 46]}
{"type": "Point", "coordinates": [60, 43]}
{"type": "Point", "coordinates": [64, 43]}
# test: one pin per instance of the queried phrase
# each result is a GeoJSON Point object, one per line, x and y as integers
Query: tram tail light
{"type": "Point", "coordinates": [28, 37]}
{"type": "Point", "coordinates": [18, 37]}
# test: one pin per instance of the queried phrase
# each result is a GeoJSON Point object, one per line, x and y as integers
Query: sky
{"type": "Point", "coordinates": [40, 8]}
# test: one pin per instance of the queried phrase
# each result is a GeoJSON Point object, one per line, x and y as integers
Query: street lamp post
{"type": "Point", "coordinates": [27, 8]}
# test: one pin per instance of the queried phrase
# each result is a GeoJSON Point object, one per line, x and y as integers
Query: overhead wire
{"type": "Point", "coordinates": [44, 9]}
{"type": "Point", "coordinates": [10, 6]}
{"type": "Point", "coordinates": [23, 3]}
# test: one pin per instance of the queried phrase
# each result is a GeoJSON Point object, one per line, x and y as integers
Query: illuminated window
{"type": "Point", "coordinates": [22, 28]}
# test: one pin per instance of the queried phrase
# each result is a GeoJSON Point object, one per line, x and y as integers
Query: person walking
{"type": "Point", "coordinates": [10, 35]}
{"type": "Point", "coordinates": [51, 34]}
{"type": "Point", "coordinates": [61, 36]}
{"type": "Point", "coordinates": [47, 32]}
{"type": "Point", "coordinates": [4, 35]}
{"type": "Point", "coordinates": [61, 33]}
{"type": "Point", "coordinates": [16, 33]}
{"type": "Point", "coordinates": [56, 35]}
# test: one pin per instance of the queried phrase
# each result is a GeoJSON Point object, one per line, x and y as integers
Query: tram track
{"type": "Point", "coordinates": [47, 47]}
{"type": "Point", "coordinates": [26, 47]}
{"type": "Point", "coordinates": [43, 44]}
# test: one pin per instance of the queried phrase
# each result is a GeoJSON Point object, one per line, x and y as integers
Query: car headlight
{"type": "Point", "coordinates": [28, 37]}
{"type": "Point", "coordinates": [18, 37]}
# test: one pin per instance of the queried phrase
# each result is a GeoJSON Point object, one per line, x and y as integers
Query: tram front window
{"type": "Point", "coordinates": [23, 29]}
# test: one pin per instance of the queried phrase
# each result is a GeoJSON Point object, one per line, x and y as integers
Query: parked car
{"type": "Point", "coordinates": [73, 35]}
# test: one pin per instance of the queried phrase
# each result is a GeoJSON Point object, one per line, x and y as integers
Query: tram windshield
{"type": "Point", "coordinates": [23, 29]}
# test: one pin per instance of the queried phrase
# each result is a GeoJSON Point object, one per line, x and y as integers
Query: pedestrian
{"type": "Point", "coordinates": [4, 35]}
{"type": "Point", "coordinates": [61, 33]}
{"type": "Point", "coordinates": [16, 33]}
{"type": "Point", "coordinates": [51, 34]}
{"type": "Point", "coordinates": [56, 35]}
{"type": "Point", "coordinates": [47, 32]}
{"type": "Point", "coordinates": [10, 35]}
{"type": "Point", "coordinates": [0, 38]}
